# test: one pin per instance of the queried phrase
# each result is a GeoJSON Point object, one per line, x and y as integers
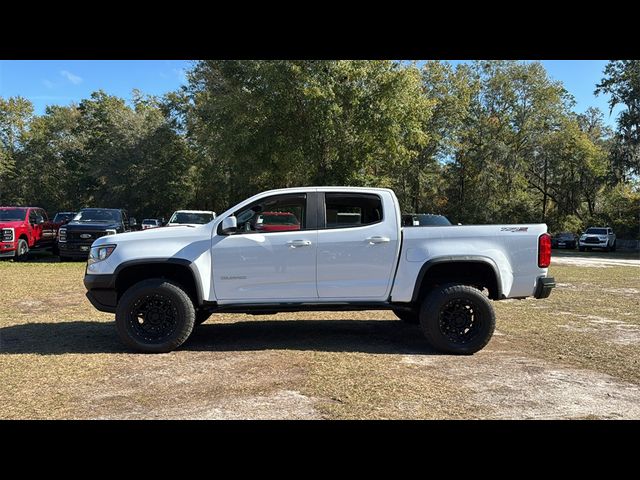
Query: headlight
{"type": "Point", "coordinates": [7, 234]}
{"type": "Point", "coordinates": [98, 254]}
{"type": "Point", "coordinates": [110, 231]}
{"type": "Point", "coordinates": [62, 235]}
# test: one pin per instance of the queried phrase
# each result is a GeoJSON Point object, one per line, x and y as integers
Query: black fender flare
{"type": "Point", "coordinates": [454, 259]}
{"type": "Point", "coordinates": [175, 261]}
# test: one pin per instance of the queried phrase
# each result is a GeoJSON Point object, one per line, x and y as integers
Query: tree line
{"type": "Point", "coordinates": [484, 142]}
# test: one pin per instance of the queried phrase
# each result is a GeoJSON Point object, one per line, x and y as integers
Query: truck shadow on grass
{"type": "Point", "coordinates": [364, 336]}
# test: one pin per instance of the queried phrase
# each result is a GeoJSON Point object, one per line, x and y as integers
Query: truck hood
{"type": "Point", "coordinates": [91, 225]}
{"type": "Point", "coordinates": [17, 224]}
{"type": "Point", "coordinates": [155, 236]}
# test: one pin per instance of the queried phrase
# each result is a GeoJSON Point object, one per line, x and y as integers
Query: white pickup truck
{"type": "Point", "coordinates": [316, 248]}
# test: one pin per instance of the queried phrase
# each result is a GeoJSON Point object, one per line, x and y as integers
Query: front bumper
{"type": "Point", "coordinates": [544, 287]}
{"type": "Point", "coordinates": [76, 250]}
{"type": "Point", "coordinates": [101, 292]}
{"type": "Point", "coordinates": [7, 249]}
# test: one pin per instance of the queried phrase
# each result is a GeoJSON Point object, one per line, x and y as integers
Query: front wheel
{"type": "Point", "coordinates": [613, 247]}
{"type": "Point", "coordinates": [155, 316]}
{"type": "Point", "coordinates": [22, 251]}
{"type": "Point", "coordinates": [457, 319]}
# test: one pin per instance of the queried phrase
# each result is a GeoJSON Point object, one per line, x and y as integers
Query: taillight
{"type": "Point", "coordinates": [544, 250]}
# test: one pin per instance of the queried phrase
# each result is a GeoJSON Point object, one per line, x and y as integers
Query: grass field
{"type": "Point", "coordinates": [573, 355]}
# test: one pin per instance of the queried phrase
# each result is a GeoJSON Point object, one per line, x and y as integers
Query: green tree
{"type": "Point", "coordinates": [622, 82]}
{"type": "Point", "coordinates": [15, 116]}
{"type": "Point", "coordinates": [267, 124]}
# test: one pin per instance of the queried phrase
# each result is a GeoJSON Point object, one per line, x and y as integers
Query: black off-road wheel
{"type": "Point", "coordinates": [408, 316]}
{"type": "Point", "coordinates": [22, 252]}
{"type": "Point", "coordinates": [457, 319]}
{"type": "Point", "coordinates": [155, 316]}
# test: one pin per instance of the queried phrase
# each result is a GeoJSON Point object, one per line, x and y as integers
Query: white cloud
{"type": "Point", "coordinates": [48, 83]}
{"type": "Point", "coordinates": [75, 79]}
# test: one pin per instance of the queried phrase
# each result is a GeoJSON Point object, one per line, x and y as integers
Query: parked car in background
{"type": "Point", "coordinates": [564, 240]}
{"type": "Point", "coordinates": [75, 238]}
{"type": "Point", "coordinates": [598, 237]}
{"type": "Point", "coordinates": [62, 218]}
{"type": "Point", "coordinates": [424, 220]}
{"type": "Point", "coordinates": [150, 223]}
{"type": "Point", "coordinates": [191, 217]}
{"type": "Point", "coordinates": [23, 229]}
{"type": "Point", "coordinates": [134, 225]}
{"type": "Point", "coordinates": [276, 222]}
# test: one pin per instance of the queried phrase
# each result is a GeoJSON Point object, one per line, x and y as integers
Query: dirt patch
{"type": "Point", "coordinates": [516, 387]}
{"type": "Point", "coordinates": [594, 262]}
{"type": "Point", "coordinates": [615, 331]}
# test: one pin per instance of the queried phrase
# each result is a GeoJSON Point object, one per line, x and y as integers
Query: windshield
{"type": "Point", "coordinates": [63, 217]}
{"type": "Point", "coordinates": [565, 235]}
{"type": "Point", "coordinates": [597, 231]}
{"type": "Point", "coordinates": [12, 214]}
{"type": "Point", "coordinates": [186, 217]}
{"type": "Point", "coordinates": [97, 215]}
{"type": "Point", "coordinates": [149, 222]}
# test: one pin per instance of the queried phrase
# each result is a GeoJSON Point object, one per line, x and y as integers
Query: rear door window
{"type": "Point", "coordinates": [345, 210]}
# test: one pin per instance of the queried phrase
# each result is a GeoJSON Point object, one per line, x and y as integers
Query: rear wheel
{"type": "Point", "coordinates": [408, 316]}
{"type": "Point", "coordinates": [457, 319]}
{"type": "Point", "coordinates": [155, 316]}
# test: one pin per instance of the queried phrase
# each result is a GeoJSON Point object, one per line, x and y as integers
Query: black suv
{"type": "Point", "coordinates": [75, 238]}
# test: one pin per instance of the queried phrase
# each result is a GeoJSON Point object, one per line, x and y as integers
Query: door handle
{"type": "Point", "coordinates": [299, 243]}
{"type": "Point", "coordinates": [378, 239]}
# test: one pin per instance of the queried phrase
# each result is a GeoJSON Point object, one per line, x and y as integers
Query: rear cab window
{"type": "Point", "coordinates": [346, 210]}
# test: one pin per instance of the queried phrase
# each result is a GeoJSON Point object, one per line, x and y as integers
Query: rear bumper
{"type": "Point", "coordinates": [101, 292]}
{"type": "Point", "coordinates": [544, 287]}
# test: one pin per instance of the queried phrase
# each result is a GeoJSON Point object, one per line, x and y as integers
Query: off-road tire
{"type": "Point", "coordinates": [447, 304]}
{"type": "Point", "coordinates": [173, 311]}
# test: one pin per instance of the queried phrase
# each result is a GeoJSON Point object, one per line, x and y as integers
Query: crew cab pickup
{"type": "Point", "coordinates": [24, 229]}
{"type": "Point", "coordinates": [75, 238]}
{"type": "Point", "coordinates": [162, 282]}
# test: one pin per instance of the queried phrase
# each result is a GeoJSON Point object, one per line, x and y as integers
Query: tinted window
{"type": "Point", "coordinates": [352, 210]}
{"type": "Point", "coordinates": [32, 217]}
{"type": "Point", "coordinates": [187, 217]}
{"type": "Point", "coordinates": [13, 214]}
{"type": "Point", "coordinates": [63, 217]}
{"type": "Point", "coordinates": [97, 215]}
{"type": "Point", "coordinates": [597, 231]}
{"type": "Point", "coordinates": [279, 213]}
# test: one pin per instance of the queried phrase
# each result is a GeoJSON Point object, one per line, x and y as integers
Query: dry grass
{"type": "Point", "coordinates": [574, 355]}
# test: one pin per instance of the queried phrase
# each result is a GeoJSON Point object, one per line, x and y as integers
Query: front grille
{"type": "Point", "coordinates": [77, 236]}
{"type": "Point", "coordinates": [7, 234]}
{"type": "Point", "coordinates": [592, 240]}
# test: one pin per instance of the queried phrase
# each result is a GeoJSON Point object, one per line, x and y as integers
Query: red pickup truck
{"type": "Point", "coordinates": [23, 229]}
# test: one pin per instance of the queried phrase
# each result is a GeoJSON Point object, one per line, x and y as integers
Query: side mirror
{"type": "Point", "coordinates": [229, 225]}
{"type": "Point", "coordinates": [132, 222]}
{"type": "Point", "coordinates": [39, 220]}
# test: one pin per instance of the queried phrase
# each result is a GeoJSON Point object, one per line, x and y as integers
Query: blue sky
{"type": "Point", "coordinates": [59, 82]}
